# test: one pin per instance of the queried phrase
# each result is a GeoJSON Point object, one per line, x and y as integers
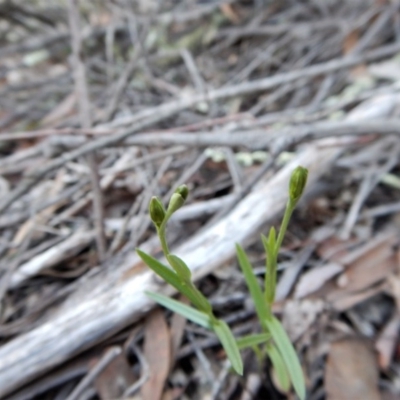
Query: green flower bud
{"type": "Point", "coordinates": [297, 184]}
{"type": "Point", "coordinates": [157, 212]}
{"type": "Point", "coordinates": [178, 199]}
{"type": "Point", "coordinates": [175, 203]}
{"type": "Point", "coordinates": [183, 191]}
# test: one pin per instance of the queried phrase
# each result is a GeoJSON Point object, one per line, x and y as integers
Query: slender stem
{"type": "Point", "coordinates": [285, 222]}
{"type": "Point", "coordinates": [272, 259]}
{"type": "Point", "coordinates": [270, 278]}
{"type": "Point", "coordinates": [163, 240]}
{"type": "Point", "coordinates": [161, 233]}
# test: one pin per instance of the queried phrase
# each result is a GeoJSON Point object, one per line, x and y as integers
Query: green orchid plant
{"type": "Point", "coordinates": [273, 340]}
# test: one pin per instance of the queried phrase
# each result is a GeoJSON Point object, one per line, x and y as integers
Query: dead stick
{"type": "Point", "coordinates": [153, 115]}
{"type": "Point", "coordinates": [82, 94]}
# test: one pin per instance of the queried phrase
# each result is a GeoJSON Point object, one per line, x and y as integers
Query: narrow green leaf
{"type": "Point", "coordinates": [279, 367]}
{"type": "Point", "coordinates": [272, 238]}
{"type": "Point", "coordinates": [187, 289]}
{"type": "Point", "coordinates": [254, 287]}
{"type": "Point", "coordinates": [270, 242]}
{"type": "Point", "coordinates": [199, 300]}
{"type": "Point", "coordinates": [228, 342]}
{"type": "Point", "coordinates": [264, 242]}
{"type": "Point", "coordinates": [180, 267]}
{"type": "Point", "coordinates": [186, 311]}
{"type": "Point", "coordinates": [271, 261]}
{"type": "Point", "coordinates": [288, 354]}
{"type": "Point", "coordinates": [260, 356]}
{"type": "Point", "coordinates": [252, 340]}
{"type": "Point", "coordinates": [162, 270]}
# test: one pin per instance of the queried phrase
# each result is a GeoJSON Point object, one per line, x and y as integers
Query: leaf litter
{"type": "Point", "coordinates": [218, 94]}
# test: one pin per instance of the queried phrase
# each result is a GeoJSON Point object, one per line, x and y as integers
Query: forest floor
{"type": "Point", "coordinates": [105, 104]}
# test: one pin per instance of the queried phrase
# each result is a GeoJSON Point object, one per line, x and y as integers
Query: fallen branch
{"type": "Point", "coordinates": [52, 256]}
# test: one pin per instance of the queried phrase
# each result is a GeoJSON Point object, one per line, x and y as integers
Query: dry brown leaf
{"type": "Point", "coordinates": [177, 329]}
{"type": "Point", "coordinates": [157, 351]}
{"type": "Point", "coordinates": [363, 250]}
{"type": "Point", "coordinates": [100, 17]}
{"type": "Point", "coordinates": [365, 267]}
{"type": "Point", "coordinates": [114, 379]}
{"type": "Point", "coordinates": [394, 283]}
{"type": "Point", "coordinates": [350, 41]}
{"type": "Point", "coordinates": [173, 393]}
{"type": "Point", "coordinates": [315, 278]}
{"type": "Point", "coordinates": [345, 301]}
{"type": "Point", "coordinates": [229, 13]}
{"type": "Point", "coordinates": [333, 249]}
{"type": "Point", "coordinates": [369, 270]}
{"type": "Point", "coordinates": [387, 340]}
{"type": "Point", "coordinates": [351, 371]}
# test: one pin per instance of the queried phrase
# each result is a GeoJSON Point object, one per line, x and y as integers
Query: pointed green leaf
{"type": "Point", "coordinates": [186, 311]}
{"type": "Point", "coordinates": [271, 261]}
{"type": "Point", "coordinates": [161, 270]}
{"type": "Point", "coordinates": [172, 278]}
{"type": "Point", "coordinates": [254, 287]}
{"type": "Point", "coordinates": [270, 243]}
{"type": "Point", "coordinates": [260, 356]}
{"type": "Point", "coordinates": [264, 242]}
{"type": "Point", "coordinates": [252, 340]}
{"type": "Point", "coordinates": [180, 267]}
{"type": "Point", "coordinates": [288, 354]}
{"type": "Point", "coordinates": [279, 367]}
{"type": "Point", "coordinates": [198, 299]}
{"type": "Point", "coordinates": [228, 342]}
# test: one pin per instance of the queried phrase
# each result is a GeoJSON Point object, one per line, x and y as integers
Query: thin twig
{"type": "Point", "coordinates": [370, 180]}
{"type": "Point", "coordinates": [86, 123]}
{"type": "Point", "coordinates": [6, 278]}
{"type": "Point", "coordinates": [220, 381]}
{"type": "Point", "coordinates": [112, 353]}
{"type": "Point", "coordinates": [205, 364]}
{"type": "Point", "coordinates": [186, 174]}
{"type": "Point", "coordinates": [153, 115]}
{"type": "Point", "coordinates": [143, 376]}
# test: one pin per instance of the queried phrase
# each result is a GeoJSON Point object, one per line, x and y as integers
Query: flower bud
{"type": "Point", "coordinates": [157, 212]}
{"type": "Point", "coordinates": [297, 184]}
{"type": "Point", "coordinates": [183, 191]}
{"type": "Point", "coordinates": [178, 199]}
